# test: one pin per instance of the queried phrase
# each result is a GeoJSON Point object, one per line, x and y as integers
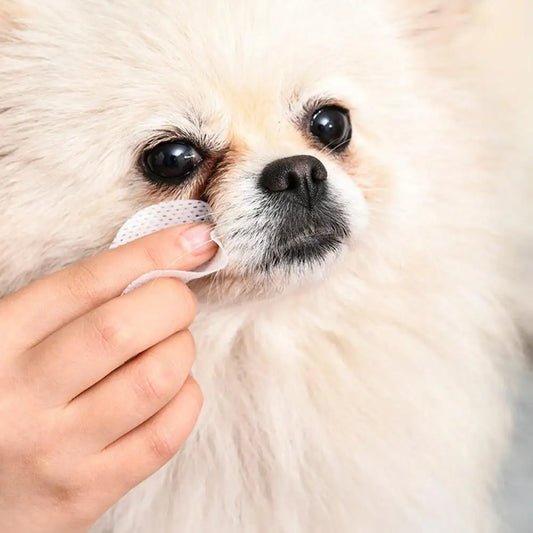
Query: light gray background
{"type": "Point", "coordinates": [516, 497]}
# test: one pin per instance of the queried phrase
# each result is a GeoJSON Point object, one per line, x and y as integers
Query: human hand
{"type": "Point", "coordinates": [82, 419]}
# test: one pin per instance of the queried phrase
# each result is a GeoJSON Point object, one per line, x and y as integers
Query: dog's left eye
{"type": "Point", "coordinates": [171, 162]}
{"type": "Point", "coordinates": [332, 127]}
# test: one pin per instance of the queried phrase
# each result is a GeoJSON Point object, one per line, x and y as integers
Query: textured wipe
{"type": "Point", "coordinates": [165, 215]}
{"type": "Point", "coordinates": [161, 216]}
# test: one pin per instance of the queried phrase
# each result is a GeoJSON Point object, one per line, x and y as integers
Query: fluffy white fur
{"type": "Point", "coordinates": [371, 396]}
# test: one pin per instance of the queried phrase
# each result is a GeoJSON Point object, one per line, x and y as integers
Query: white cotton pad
{"type": "Point", "coordinates": [165, 215]}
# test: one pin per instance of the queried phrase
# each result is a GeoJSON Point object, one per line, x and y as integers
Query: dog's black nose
{"type": "Point", "coordinates": [302, 177]}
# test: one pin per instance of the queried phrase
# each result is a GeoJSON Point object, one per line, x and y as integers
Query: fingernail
{"type": "Point", "coordinates": [197, 239]}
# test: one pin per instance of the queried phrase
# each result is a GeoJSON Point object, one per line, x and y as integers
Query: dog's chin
{"type": "Point", "coordinates": [303, 252]}
{"type": "Point", "coordinates": [304, 261]}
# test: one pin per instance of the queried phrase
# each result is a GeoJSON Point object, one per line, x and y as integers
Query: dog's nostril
{"type": "Point", "coordinates": [300, 177]}
{"type": "Point", "coordinates": [320, 173]}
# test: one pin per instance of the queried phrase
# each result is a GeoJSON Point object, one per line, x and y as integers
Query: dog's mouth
{"type": "Point", "coordinates": [281, 263]}
{"type": "Point", "coordinates": [302, 244]}
{"type": "Point", "coordinates": [307, 248]}
{"type": "Point", "coordinates": [275, 253]}
{"type": "Point", "coordinates": [276, 245]}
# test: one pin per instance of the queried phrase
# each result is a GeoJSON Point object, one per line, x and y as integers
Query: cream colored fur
{"type": "Point", "coordinates": [371, 396]}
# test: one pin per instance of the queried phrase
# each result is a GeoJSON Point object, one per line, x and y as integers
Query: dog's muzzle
{"type": "Point", "coordinates": [308, 221]}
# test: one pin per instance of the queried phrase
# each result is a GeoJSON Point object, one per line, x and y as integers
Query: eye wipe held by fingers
{"type": "Point", "coordinates": [165, 215]}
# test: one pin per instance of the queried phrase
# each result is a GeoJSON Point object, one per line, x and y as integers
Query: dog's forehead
{"type": "Point", "coordinates": [186, 50]}
{"type": "Point", "coordinates": [233, 61]}
{"type": "Point", "coordinates": [232, 41]}
{"type": "Point", "coordinates": [117, 73]}
{"type": "Point", "coordinates": [237, 44]}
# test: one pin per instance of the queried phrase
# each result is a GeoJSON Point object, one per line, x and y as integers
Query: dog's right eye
{"type": "Point", "coordinates": [170, 163]}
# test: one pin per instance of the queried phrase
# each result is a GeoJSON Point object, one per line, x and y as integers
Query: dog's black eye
{"type": "Point", "coordinates": [331, 126]}
{"type": "Point", "coordinates": [171, 162]}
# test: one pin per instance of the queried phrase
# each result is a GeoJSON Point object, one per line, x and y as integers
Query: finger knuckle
{"type": "Point", "coordinates": [35, 453]}
{"type": "Point", "coordinates": [109, 331]}
{"type": "Point", "coordinates": [153, 380]}
{"type": "Point", "coordinates": [67, 491]}
{"type": "Point", "coordinates": [75, 496]}
{"type": "Point", "coordinates": [56, 475]}
{"type": "Point", "coordinates": [82, 282]}
{"type": "Point", "coordinates": [154, 256]}
{"type": "Point", "coordinates": [160, 444]}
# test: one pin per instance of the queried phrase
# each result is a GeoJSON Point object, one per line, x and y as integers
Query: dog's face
{"type": "Point", "coordinates": [274, 158]}
{"type": "Point", "coordinates": [291, 119]}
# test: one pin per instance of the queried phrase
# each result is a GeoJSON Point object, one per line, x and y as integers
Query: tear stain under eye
{"type": "Point", "coordinates": [193, 188]}
{"type": "Point", "coordinates": [221, 168]}
{"type": "Point", "coordinates": [165, 215]}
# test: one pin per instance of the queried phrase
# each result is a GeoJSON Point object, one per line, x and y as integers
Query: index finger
{"type": "Point", "coordinates": [49, 303]}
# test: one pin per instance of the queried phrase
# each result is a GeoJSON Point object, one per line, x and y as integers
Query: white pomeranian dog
{"type": "Point", "coordinates": [366, 164]}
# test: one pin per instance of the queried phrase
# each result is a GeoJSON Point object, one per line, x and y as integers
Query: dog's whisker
{"type": "Point", "coordinates": [331, 147]}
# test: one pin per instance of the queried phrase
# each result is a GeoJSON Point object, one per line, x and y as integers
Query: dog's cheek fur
{"type": "Point", "coordinates": [64, 180]}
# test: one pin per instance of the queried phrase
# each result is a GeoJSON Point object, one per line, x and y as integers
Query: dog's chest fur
{"type": "Point", "coordinates": [344, 425]}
